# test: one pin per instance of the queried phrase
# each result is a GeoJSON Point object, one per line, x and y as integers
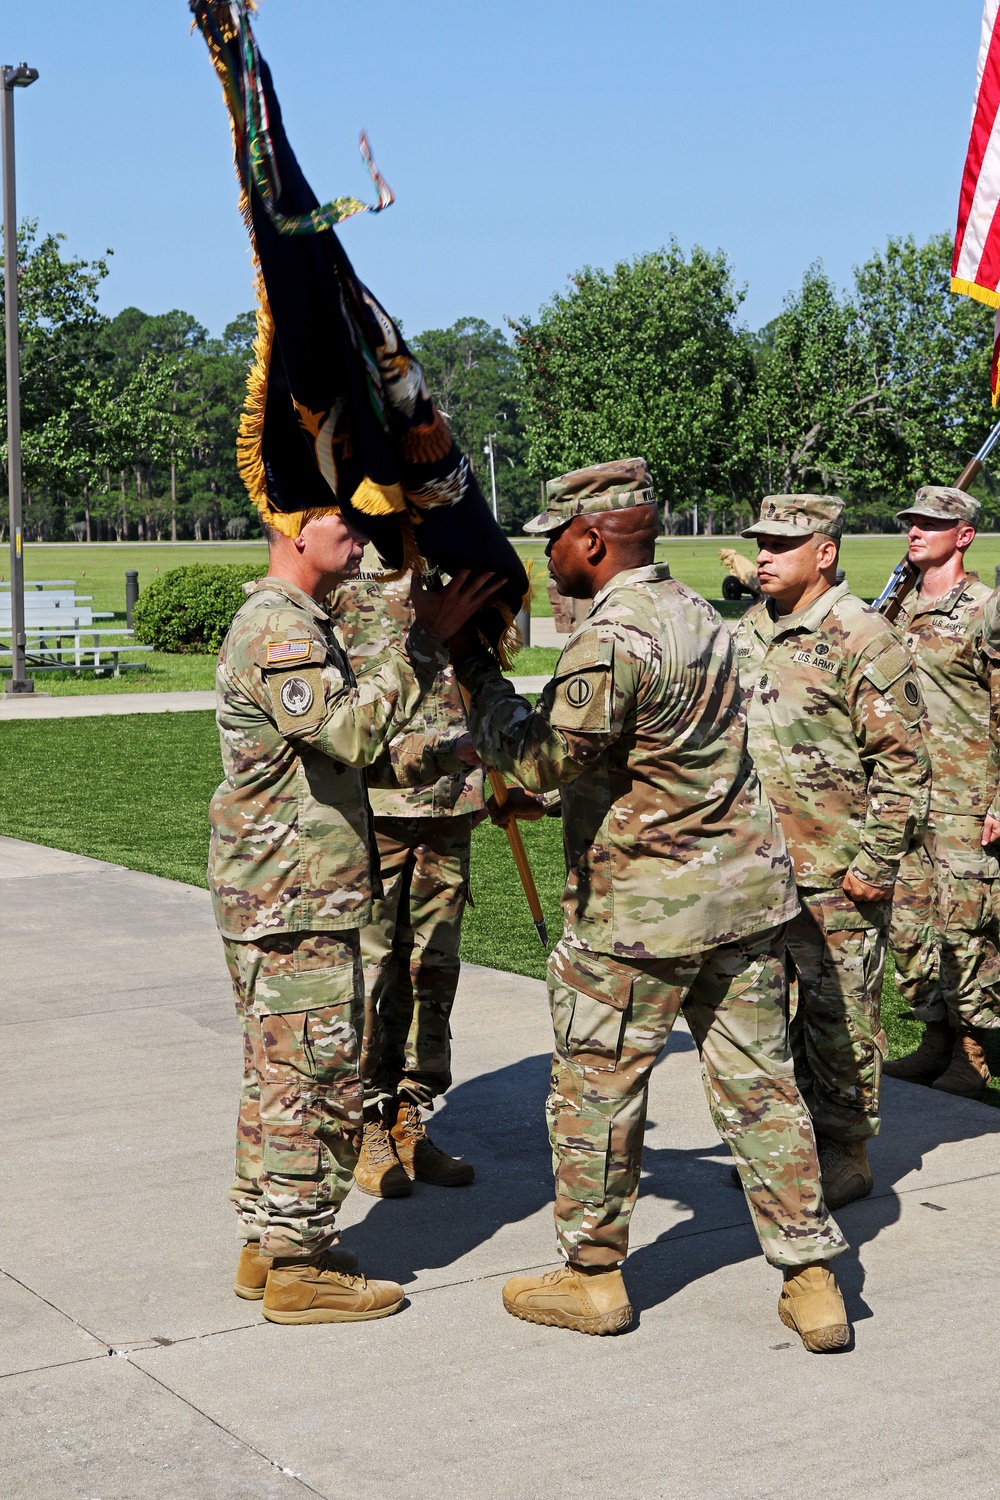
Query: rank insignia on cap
{"type": "Point", "coordinates": [287, 651]}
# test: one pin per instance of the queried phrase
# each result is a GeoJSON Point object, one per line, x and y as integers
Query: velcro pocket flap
{"type": "Point", "coordinates": [581, 689]}
{"type": "Point", "coordinates": [973, 864]}
{"type": "Point", "coordinates": [292, 1157]}
{"type": "Point", "coordinates": [894, 674]}
{"type": "Point", "coordinates": [888, 665]}
{"type": "Point", "coordinates": [288, 994]}
{"type": "Point", "coordinates": [602, 989]}
{"type": "Point", "coordinates": [594, 974]}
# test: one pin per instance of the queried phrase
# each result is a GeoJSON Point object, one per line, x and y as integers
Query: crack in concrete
{"type": "Point", "coordinates": [125, 1351]}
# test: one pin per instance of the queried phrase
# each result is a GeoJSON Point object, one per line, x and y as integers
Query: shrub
{"type": "Point", "coordinates": [190, 609]}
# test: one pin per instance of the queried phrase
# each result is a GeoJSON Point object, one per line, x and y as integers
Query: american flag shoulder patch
{"type": "Point", "coordinates": [287, 651]}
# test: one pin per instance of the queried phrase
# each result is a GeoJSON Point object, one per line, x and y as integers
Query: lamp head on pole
{"type": "Point", "coordinates": [20, 77]}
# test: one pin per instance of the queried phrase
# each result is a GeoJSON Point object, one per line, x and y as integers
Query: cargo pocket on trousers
{"type": "Point", "coordinates": [590, 1007]}
{"type": "Point", "coordinates": [308, 1027]}
{"type": "Point", "coordinates": [581, 1147]}
{"type": "Point", "coordinates": [294, 1156]}
{"type": "Point", "coordinates": [288, 992]}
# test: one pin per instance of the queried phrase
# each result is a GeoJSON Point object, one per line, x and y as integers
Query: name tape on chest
{"type": "Point", "coordinates": [806, 659]}
{"type": "Point", "coordinates": [285, 653]}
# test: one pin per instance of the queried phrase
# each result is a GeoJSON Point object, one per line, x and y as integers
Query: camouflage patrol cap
{"type": "Point", "coordinates": [943, 502]}
{"type": "Point", "coordinates": [799, 515]}
{"type": "Point", "coordinates": [584, 492]}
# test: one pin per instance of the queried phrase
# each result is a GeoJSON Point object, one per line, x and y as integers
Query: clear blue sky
{"type": "Point", "coordinates": [523, 140]}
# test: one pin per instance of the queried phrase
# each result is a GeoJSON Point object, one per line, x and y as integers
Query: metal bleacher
{"type": "Point", "coordinates": [62, 630]}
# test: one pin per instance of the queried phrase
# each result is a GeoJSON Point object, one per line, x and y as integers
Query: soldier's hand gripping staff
{"type": "Point", "coordinates": [290, 875]}
{"type": "Point", "coordinates": [834, 710]}
{"type": "Point", "coordinates": [678, 889]}
{"type": "Point", "coordinates": [944, 924]}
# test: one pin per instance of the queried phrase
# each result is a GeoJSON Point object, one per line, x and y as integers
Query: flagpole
{"type": "Point", "coordinates": [974, 467]}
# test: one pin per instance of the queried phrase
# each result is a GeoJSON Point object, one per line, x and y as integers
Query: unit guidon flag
{"type": "Point", "coordinates": [338, 412]}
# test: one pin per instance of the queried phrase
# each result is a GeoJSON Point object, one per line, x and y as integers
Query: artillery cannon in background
{"type": "Point", "coordinates": [742, 576]}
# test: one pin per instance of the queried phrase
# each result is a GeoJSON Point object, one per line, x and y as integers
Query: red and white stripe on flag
{"type": "Point", "coordinates": [975, 267]}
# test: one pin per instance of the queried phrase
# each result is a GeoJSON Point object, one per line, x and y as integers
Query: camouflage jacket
{"type": "Point", "coordinates": [291, 839]}
{"type": "Point", "coordinates": [944, 638]}
{"type": "Point", "coordinates": [671, 846]}
{"type": "Point", "coordinates": [834, 709]}
{"type": "Point", "coordinates": [419, 775]}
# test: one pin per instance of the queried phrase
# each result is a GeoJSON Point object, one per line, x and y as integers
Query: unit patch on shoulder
{"type": "Point", "coordinates": [296, 696]}
{"type": "Point", "coordinates": [578, 691]}
{"type": "Point", "coordinates": [283, 653]}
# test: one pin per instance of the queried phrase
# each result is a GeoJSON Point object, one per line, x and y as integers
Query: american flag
{"type": "Point", "coordinates": [975, 267]}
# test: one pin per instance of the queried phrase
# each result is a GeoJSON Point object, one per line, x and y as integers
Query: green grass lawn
{"type": "Point", "coordinates": [99, 568]}
{"type": "Point", "coordinates": [867, 561]}
{"type": "Point", "coordinates": [134, 790]}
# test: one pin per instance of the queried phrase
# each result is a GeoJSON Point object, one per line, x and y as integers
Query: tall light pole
{"type": "Point", "coordinates": [11, 79]}
{"type": "Point", "coordinates": [488, 450]}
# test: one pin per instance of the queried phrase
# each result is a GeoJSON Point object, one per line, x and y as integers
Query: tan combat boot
{"type": "Point", "coordinates": [419, 1156]}
{"type": "Point", "coordinates": [378, 1172]}
{"type": "Point", "coordinates": [929, 1060]}
{"type": "Point", "coordinates": [967, 1074]}
{"type": "Point", "coordinates": [305, 1292]}
{"type": "Point", "coordinates": [594, 1302]}
{"type": "Point", "coordinates": [252, 1267]}
{"type": "Point", "coordinates": [844, 1171]}
{"type": "Point", "coordinates": [811, 1304]}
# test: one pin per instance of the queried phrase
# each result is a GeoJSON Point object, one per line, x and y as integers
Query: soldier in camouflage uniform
{"type": "Point", "coordinates": [944, 923]}
{"type": "Point", "coordinates": [289, 871]}
{"type": "Point", "coordinates": [679, 886]}
{"type": "Point", "coordinates": [423, 829]}
{"type": "Point", "coordinates": [834, 710]}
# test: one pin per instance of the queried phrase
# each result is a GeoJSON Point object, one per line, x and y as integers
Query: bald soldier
{"type": "Point", "coordinates": [834, 710]}
{"type": "Point", "coordinates": [944, 923]}
{"type": "Point", "coordinates": [678, 889]}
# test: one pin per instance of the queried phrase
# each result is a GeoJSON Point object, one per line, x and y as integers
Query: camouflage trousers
{"type": "Point", "coordinates": [944, 935]}
{"type": "Point", "coordinates": [837, 951]}
{"type": "Point", "coordinates": [300, 999]}
{"type": "Point", "coordinates": [611, 1019]}
{"type": "Point", "coordinates": [410, 956]}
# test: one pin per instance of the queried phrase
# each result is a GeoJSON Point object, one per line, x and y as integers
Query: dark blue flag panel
{"type": "Point", "coordinates": [338, 412]}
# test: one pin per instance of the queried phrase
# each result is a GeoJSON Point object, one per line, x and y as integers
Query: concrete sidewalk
{"type": "Point", "coordinates": [96, 705]}
{"type": "Point", "coordinates": [122, 1063]}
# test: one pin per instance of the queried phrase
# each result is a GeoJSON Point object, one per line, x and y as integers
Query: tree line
{"type": "Point", "coordinates": [129, 422]}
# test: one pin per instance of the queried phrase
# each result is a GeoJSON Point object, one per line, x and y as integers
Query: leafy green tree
{"type": "Point", "coordinates": [872, 393]}
{"type": "Point", "coordinates": [646, 360]}
{"type": "Point", "coordinates": [471, 371]}
{"type": "Point", "coordinates": [61, 367]}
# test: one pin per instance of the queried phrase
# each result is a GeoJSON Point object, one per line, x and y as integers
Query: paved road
{"type": "Point", "coordinates": [96, 705]}
{"type": "Point", "coordinates": [121, 1065]}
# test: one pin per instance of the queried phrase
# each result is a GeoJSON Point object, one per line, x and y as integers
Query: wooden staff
{"type": "Point", "coordinates": [516, 847]}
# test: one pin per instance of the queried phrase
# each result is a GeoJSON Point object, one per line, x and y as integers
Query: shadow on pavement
{"type": "Point", "coordinates": [497, 1120]}
{"type": "Point", "coordinates": [913, 1126]}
